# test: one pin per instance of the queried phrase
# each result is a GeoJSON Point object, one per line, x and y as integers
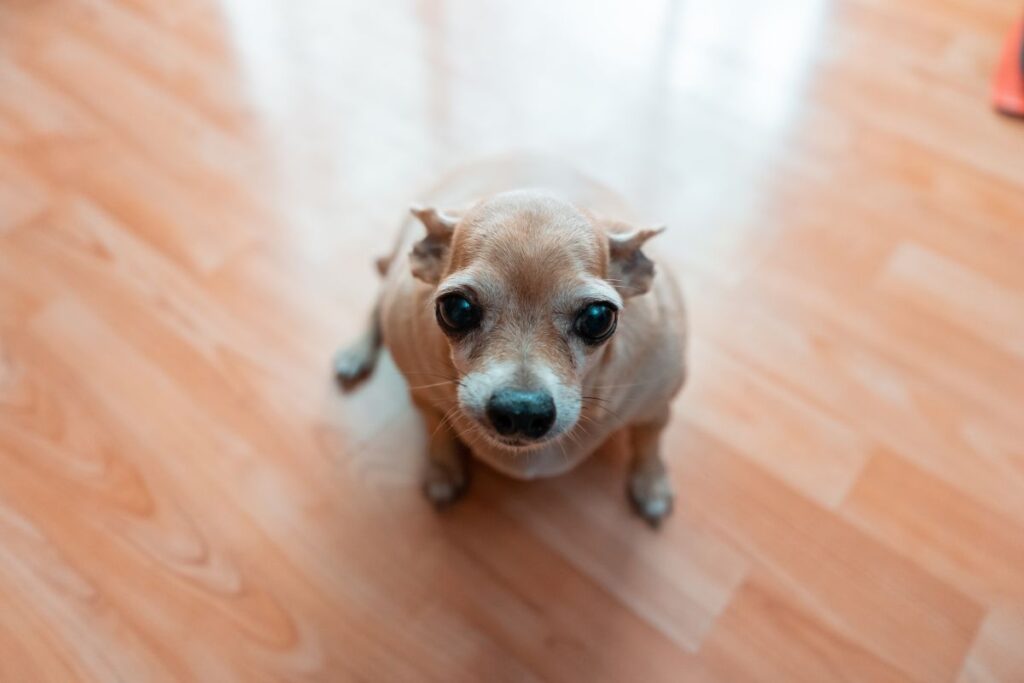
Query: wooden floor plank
{"type": "Point", "coordinates": [966, 543]}
{"type": "Point", "coordinates": [765, 637]}
{"type": "Point", "coordinates": [996, 655]}
{"type": "Point", "coordinates": [889, 605]}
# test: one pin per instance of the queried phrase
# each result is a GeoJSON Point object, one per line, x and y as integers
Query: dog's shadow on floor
{"type": "Point", "coordinates": [546, 552]}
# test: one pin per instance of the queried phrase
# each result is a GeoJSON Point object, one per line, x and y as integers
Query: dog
{"type": "Point", "coordinates": [530, 327]}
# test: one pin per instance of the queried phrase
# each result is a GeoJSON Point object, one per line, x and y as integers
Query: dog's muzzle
{"type": "Point", "coordinates": [524, 414]}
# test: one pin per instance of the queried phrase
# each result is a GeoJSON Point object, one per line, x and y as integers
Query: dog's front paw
{"type": "Point", "coordinates": [651, 496]}
{"type": "Point", "coordinates": [444, 484]}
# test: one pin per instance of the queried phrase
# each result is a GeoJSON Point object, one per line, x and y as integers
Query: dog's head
{"type": "Point", "coordinates": [527, 291]}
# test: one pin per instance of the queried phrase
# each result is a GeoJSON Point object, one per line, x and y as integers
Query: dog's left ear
{"type": "Point", "coordinates": [629, 269]}
{"type": "Point", "coordinates": [430, 253]}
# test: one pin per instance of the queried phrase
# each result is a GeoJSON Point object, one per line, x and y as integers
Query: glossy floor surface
{"type": "Point", "coordinates": [191, 195]}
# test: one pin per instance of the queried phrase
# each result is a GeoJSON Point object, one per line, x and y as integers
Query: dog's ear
{"type": "Point", "coordinates": [629, 269]}
{"type": "Point", "coordinates": [430, 253]}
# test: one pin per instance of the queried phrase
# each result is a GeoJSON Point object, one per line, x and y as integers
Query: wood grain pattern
{"type": "Point", "coordinates": [191, 196]}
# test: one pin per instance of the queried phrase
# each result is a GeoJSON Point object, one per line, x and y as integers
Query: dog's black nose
{"type": "Point", "coordinates": [527, 413]}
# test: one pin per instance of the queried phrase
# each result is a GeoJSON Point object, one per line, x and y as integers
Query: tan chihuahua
{"type": "Point", "coordinates": [530, 329]}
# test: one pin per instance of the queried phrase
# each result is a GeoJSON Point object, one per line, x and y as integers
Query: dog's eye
{"type": "Point", "coordinates": [596, 322]}
{"type": "Point", "coordinates": [456, 313]}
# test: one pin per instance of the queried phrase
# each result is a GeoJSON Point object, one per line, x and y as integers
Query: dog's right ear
{"type": "Point", "coordinates": [629, 268]}
{"type": "Point", "coordinates": [430, 253]}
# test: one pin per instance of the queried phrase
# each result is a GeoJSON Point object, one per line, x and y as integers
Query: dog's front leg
{"type": "Point", "coordinates": [447, 473]}
{"type": "Point", "coordinates": [650, 488]}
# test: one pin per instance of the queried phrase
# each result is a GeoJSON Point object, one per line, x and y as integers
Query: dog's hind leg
{"type": "Point", "coordinates": [355, 362]}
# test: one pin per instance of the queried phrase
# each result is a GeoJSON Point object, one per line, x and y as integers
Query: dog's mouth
{"type": "Point", "coordinates": [514, 444]}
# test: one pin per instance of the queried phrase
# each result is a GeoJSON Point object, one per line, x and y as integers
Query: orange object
{"type": "Point", "coordinates": [1008, 90]}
